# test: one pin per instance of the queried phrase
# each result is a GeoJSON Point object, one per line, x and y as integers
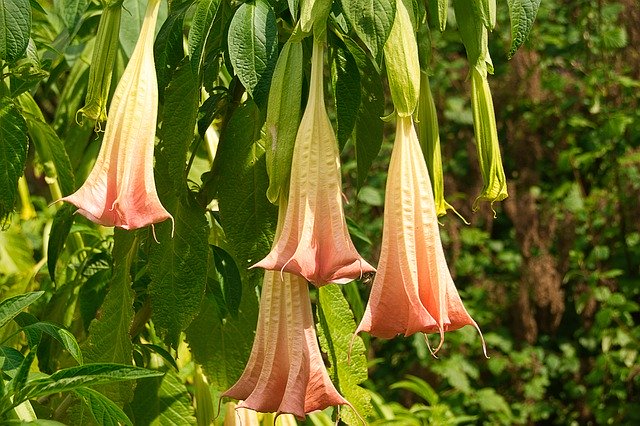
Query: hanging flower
{"type": "Point", "coordinates": [120, 190]}
{"type": "Point", "coordinates": [413, 290]}
{"type": "Point", "coordinates": [285, 372]}
{"type": "Point", "coordinates": [315, 241]}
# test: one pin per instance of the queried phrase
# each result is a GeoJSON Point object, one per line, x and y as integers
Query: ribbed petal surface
{"type": "Point", "coordinates": [413, 290]}
{"type": "Point", "coordinates": [315, 241]}
{"type": "Point", "coordinates": [120, 190]}
{"type": "Point", "coordinates": [285, 372]}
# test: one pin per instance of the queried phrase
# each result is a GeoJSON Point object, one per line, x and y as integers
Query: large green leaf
{"type": "Point", "coordinates": [372, 21]}
{"type": "Point", "coordinates": [368, 125]}
{"type": "Point", "coordinates": [104, 411]}
{"type": "Point", "coordinates": [178, 125]}
{"type": "Point", "coordinates": [15, 28]}
{"type": "Point", "coordinates": [71, 11]}
{"type": "Point", "coordinates": [162, 401]}
{"type": "Point", "coordinates": [49, 147]}
{"type": "Point", "coordinates": [226, 280]}
{"type": "Point", "coordinates": [12, 306]}
{"type": "Point", "coordinates": [33, 329]}
{"type": "Point", "coordinates": [109, 339]}
{"type": "Point", "coordinates": [522, 13]}
{"type": "Point", "coordinates": [346, 90]}
{"type": "Point", "coordinates": [13, 154]}
{"type": "Point", "coordinates": [200, 32]}
{"type": "Point", "coordinates": [73, 378]}
{"type": "Point", "coordinates": [178, 263]}
{"type": "Point", "coordinates": [168, 48]}
{"type": "Point", "coordinates": [246, 214]}
{"type": "Point", "coordinates": [347, 369]}
{"type": "Point", "coordinates": [223, 347]}
{"type": "Point", "coordinates": [60, 228]}
{"type": "Point", "coordinates": [253, 47]}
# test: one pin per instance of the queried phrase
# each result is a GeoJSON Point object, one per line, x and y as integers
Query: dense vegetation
{"type": "Point", "coordinates": [553, 280]}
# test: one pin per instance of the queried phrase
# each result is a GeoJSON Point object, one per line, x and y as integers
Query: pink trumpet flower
{"type": "Point", "coordinates": [285, 372]}
{"type": "Point", "coordinates": [413, 290]}
{"type": "Point", "coordinates": [120, 190]}
{"type": "Point", "coordinates": [315, 241]}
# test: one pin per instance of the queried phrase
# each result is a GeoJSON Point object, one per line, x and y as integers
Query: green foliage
{"type": "Point", "coordinates": [13, 154]}
{"type": "Point", "coordinates": [15, 16]}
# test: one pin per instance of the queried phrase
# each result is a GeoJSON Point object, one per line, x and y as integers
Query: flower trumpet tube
{"type": "Point", "coordinates": [315, 241]}
{"type": "Point", "coordinates": [413, 290]}
{"type": "Point", "coordinates": [120, 190]}
{"type": "Point", "coordinates": [285, 372]}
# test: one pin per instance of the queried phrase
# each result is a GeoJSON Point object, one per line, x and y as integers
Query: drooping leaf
{"type": "Point", "coordinates": [372, 21]}
{"type": "Point", "coordinates": [71, 11]}
{"type": "Point", "coordinates": [34, 330]}
{"type": "Point", "coordinates": [178, 263]}
{"type": "Point", "coordinates": [179, 122]}
{"type": "Point", "coordinates": [15, 28]}
{"type": "Point", "coordinates": [223, 347]}
{"type": "Point", "coordinates": [228, 277]}
{"type": "Point", "coordinates": [60, 228]}
{"type": "Point", "coordinates": [50, 149]}
{"type": "Point", "coordinates": [335, 330]}
{"type": "Point", "coordinates": [12, 306]}
{"type": "Point", "coordinates": [10, 360]}
{"type": "Point", "coordinates": [522, 14]}
{"type": "Point", "coordinates": [345, 77]}
{"type": "Point", "coordinates": [246, 214]}
{"type": "Point", "coordinates": [368, 126]}
{"type": "Point", "coordinates": [104, 411]}
{"type": "Point", "coordinates": [13, 154]}
{"type": "Point", "coordinates": [253, 47]}
{"type": "Point", "coordinates": [167, 49]}
{"type": "Point", "coordinates": [162, 401]}
{"type": "Point", "coordinates": [109, 339]}
{"type": "Point", "coordinates": [200, 32]}
{"type": "Point", "coordinates": [312, 13]}
{"type": "Point", "coordinates": [69, 379]}
{"type": "Point", "coordinates": [19, 381]}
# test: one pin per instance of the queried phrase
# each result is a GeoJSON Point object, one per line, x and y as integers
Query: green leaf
{"type": "Point", "coordinates": [48, 145]}
{"type": "Point", "coordinates": [62, 222]}
{"type": "Point", "coordinates": [200, 32]}
{"type": "Point", "coordinates": [178, 268]}
{"type": "Point", "coordinates": [335, 330]}
{"type": "Point", "coordinates": [246, 214]}
{"type": "Point", "coordinates": [312, 13]}
{"type": "Point", "coordinates": [253, 47]}
{"type": "Point", "coordinates": [178, 126]}
{"type": "Point", "coordinates": [522, 14]}
{"type": "Point", "coordinates": [71, 11]}
{"type": "Point", "coordinates": [346, 84]}
{"type": "Point", "coordinates": [162, 401]}
{"type": "Point", "coordinates": [228, 278]}
{"type": "Point", "coordinates": [11, 307]}
{"type": "Point", "coordinates": [419, 387]}
{"type": "Point", "coordinates": [223, 347]}
{"type": "Point", "coordinates": [109, 339]}
{"type": "Point", "coordinates": [34, 328]}
{"type": "Point", "coordinates": [131, 22]}
{"type": "Point", "coordinates": [16, 253]}
{"type": "Point", "coordinates": [368, 126]}
{"type": "Point", "coordinates": [372, 21]}
{"type": "Point", "coordinates": [15, 28]}
{"type": "Point", "coordinates": [14, 145]}
{"type": "Point", "coordinates": [69, 379]}
{"type": "Point", "coordinates": [104, 411]}
{"type": "Point", "coordinates": [10, 360]}
{"type": "Point", "coordinates": [168, 49]}
{"type": "Point", "coordinates": [19, 381]}
{"type": "Point", "coordinates": [283, 118]}
{"type": "Point", "coordinates": [443, 8]}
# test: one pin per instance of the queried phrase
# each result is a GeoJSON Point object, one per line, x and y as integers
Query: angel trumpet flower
{"type": "Point", "coordinates": [120, 190]}
{"type": "Point", "coordinates": [413, 290]}
{"type": "Point", "coordinates": [315, 241]}
{"type": "Point", "coordinates": [285, 372]}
